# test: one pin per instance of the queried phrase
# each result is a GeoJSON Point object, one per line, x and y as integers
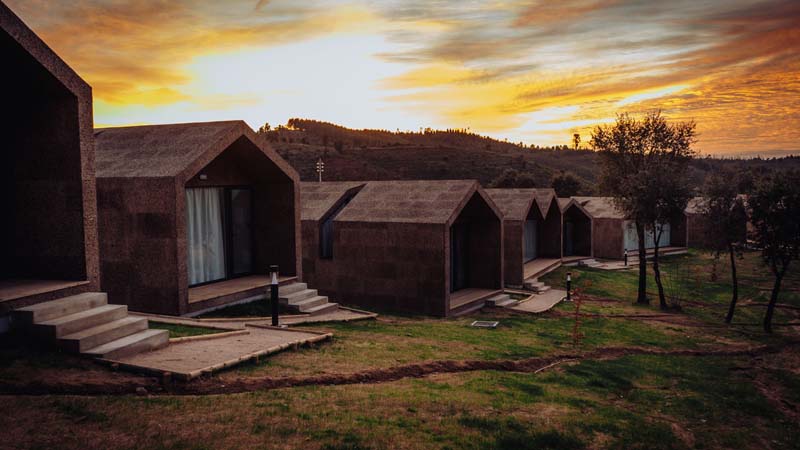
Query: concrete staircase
{"type": "Point", "coordinates": [298, 297]}
{"type": "Point", "coordinates": [536, 286]}
{"type": "Point", "coordinates": [593, 263]}
{"type": "Point", "coordinates": [87, 324]}
{"type": "Point", "coordinates": [501, 301]}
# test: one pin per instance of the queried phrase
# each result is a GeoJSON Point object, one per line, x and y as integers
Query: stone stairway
{"type": "Point", "coordinates": [300, 298]}
{"type": "Point", "coordinates": [593, 263]}
{"type": "Point", "coordinates": [501, 301]}
{"type": "Point", "coordinates": [536, 286]}
{"type": "Point", "coordinates": [87, 324]}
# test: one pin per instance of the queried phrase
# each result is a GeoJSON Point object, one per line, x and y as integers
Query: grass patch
{"type": "Point", "coordinates": [258, 308]}
{"type": "Point", "coordinates": [177, 330]}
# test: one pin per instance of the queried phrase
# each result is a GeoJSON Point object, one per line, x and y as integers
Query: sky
{"type": "Point", "coordinates": [528, 71]}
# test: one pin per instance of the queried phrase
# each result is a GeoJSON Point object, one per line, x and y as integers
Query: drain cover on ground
{"type": "Point", "coordinates": [484, 324]}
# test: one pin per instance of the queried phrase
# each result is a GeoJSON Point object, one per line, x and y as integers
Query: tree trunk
{"type": "Point", "coordinates": [662, 299]}
{"type": "Point", "coordinates": [734, 282]}
{"type": "Point", "coordinates": [772, 300]}
{"type": "Point", "coordinates": [642, 296]}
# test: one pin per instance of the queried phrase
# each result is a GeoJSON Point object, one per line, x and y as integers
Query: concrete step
{"type": "Point", "coordinates": [73, 323]}
{"type": "Point", "coordinates": [101, 334]}
{"type": "Point", "coordinates": [499, 298]}
{"type": "Point", "coordinates": [58, 308]}
{"type": "Point", "coordinates": [291, 299]}
{"type": "Point", "coordinates": [141, 341]}
{"type": "Point", "coordinates": [321, 309]}
{"type": "Point", "coordinates": [507, 303]}
{"type": "Point", "coordinates": [291, 288]}
{"type": "Point", "coordinates": [305, 305]}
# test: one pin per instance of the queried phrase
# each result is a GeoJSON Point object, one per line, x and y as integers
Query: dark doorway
{"type": "Point", "coordinates": [577, 233]}
{"type": "Point", "coordinates": [459, 256]}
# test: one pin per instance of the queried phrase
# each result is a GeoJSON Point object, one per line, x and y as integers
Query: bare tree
{"type": "Point", "coordinates": [774, 208]}
{"type": "Point", "coordinates": [637, 156]}
{"type": "Point", "coordinates": [725, 223]}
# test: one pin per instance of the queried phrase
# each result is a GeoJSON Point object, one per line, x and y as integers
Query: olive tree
{"type": "Point", "coordinates": [638, 156]}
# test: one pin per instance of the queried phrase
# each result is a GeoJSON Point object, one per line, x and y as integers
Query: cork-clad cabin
{"type": "Point", "coordinates": [424, 247]}
{"type": "Point", "coordinates": [531, 232]}
{"type": "Point", "coordinates": [612, 233]}
{"type": "Point", "coordinates": [49, 234]}
{"type": "Point", "coordinates": [192, 215]}
{"type": "Point", "coordinates": [321, 203]}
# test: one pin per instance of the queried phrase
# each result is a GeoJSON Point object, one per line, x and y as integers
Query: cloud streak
{"type": "Point", "coordinates": [496, 66]}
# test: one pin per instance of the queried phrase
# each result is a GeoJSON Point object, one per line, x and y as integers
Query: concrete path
{"type": "Point", "coordinates": [339, 314]}
{"type": "Point", "coordinates": [540, 302]}
{"type": "Point", "coordinates": [190, 359]}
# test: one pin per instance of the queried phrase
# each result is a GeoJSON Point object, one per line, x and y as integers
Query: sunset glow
{"type": "Point", "coordinates": [529, 71]}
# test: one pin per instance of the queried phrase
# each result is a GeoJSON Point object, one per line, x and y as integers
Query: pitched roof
{"type": "Point", "coordinates": [514, 203]}
{"type": "Point", "coordinates": [600, 207]}
{"type": "Point", "coordinates": [563, 203]}
{"type": "Point", "coordinates": [165, 150]}
{"type": "Point", "coordinates": [412, 201]}
{"type": "Point", "coordinates": [544, 198]}
{"type": "Point", "coordinates": [18, 31]}
{"type": "Point", "coordinates": [318, 198]}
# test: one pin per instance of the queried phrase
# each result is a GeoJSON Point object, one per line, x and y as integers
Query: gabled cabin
{"type": "Point", "coordinates": [425, 247]}
{"type": "Point", "coordinates": [47, 184]}
{"type": "Point", "coordinates": [612, 233]}
{"type": "Point", "coordinates": [191, 215]}
{"type": "Point", "coordinates": [531, 232]}
{"type": "Point", "coordinates": [577, 231]}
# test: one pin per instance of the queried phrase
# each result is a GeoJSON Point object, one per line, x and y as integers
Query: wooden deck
{"type": "Point", "coordinates": [14, 289]}
{"type": "Point", "coordinates": [462, 297]}
{"type": "Point", "coordinates": [539, 267]}
{"type": "Point", "coordinates": [230, 287]}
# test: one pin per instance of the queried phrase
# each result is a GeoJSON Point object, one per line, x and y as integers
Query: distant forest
{"type": "Point", "coordinates": [460, 154]}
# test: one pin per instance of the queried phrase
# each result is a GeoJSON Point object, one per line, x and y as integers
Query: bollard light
{"type": "Point", "coordinates": [273, 285]}
{"type": "Point", "coordinates": [626, 257]}
{"type": "Point", "coordinates": [569, 286]}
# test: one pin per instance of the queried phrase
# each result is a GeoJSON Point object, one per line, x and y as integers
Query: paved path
{"type": "Point", "coordinates": [540, 302]}
{"type": "Point", "coordinates": [193, 358]}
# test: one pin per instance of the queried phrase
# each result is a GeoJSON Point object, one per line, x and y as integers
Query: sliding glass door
{"type": "Point", "coordinates": [219, 233]}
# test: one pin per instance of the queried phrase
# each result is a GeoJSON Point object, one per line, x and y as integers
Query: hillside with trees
{"type": "Point", "coordinates": [461, 154]}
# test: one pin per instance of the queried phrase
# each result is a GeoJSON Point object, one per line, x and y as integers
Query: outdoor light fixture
{"type": "Point", "coordinates": [320, 169]}
{"type": "Point", "coordinates": [273, 285]}
{"type": "Point", "coordinates": [626, 257]}
{"type": "Point", "coordinates": [203, 176]}
{"type": "Point", "coordinates": [569, 286]}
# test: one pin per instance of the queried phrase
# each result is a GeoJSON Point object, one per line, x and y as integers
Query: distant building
{"type": "Point", "coordinates": [48, 230]}
{"type": "Point", "coordinates": [191, 215]}
{"type": "Point", "coordinates": [611, 232]}
{"type": "Point", "coordinates": [428, 247]}
{"type": "Point", "coordinates": [532, 227]}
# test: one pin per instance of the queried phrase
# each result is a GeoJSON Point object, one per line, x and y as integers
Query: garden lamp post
{"type": "Point", "coordinates": [569, 286]}
{"type": "Point", "coordinates": [626, 257]}
{"type": "Point", "coordinates": [273, 287]}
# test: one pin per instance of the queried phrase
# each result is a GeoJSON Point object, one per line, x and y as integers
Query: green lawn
{"type": "Point", "coordinates": [177, 331]}
{"type": "Point", "coordinates": [631, 402]}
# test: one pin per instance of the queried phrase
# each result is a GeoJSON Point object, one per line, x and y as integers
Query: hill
{"type": "Point", "coordinates": [450, 154]}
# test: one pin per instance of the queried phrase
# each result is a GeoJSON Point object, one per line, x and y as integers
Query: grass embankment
{"type": "Point", "coordinates": [645, 402]}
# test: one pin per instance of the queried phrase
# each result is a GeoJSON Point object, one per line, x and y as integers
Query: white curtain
{"type": "Point", "coordinates": [206, 249]}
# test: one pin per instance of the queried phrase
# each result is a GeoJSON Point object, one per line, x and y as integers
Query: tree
{"type": "Point", "coordinates": [511, 178]}
{"type": "Point", "coordinates": [725, 223]}
{"type": "Point", "coordinates": [576, 141]}
{"type": "Point", "coordinates": [566, 184]}
{"type": "Point", "coordinates": [774, 207]}
{"type": "Point", "coordinates": [632, 152]}
{"type": "Point", "coordinates": [264, 128]}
